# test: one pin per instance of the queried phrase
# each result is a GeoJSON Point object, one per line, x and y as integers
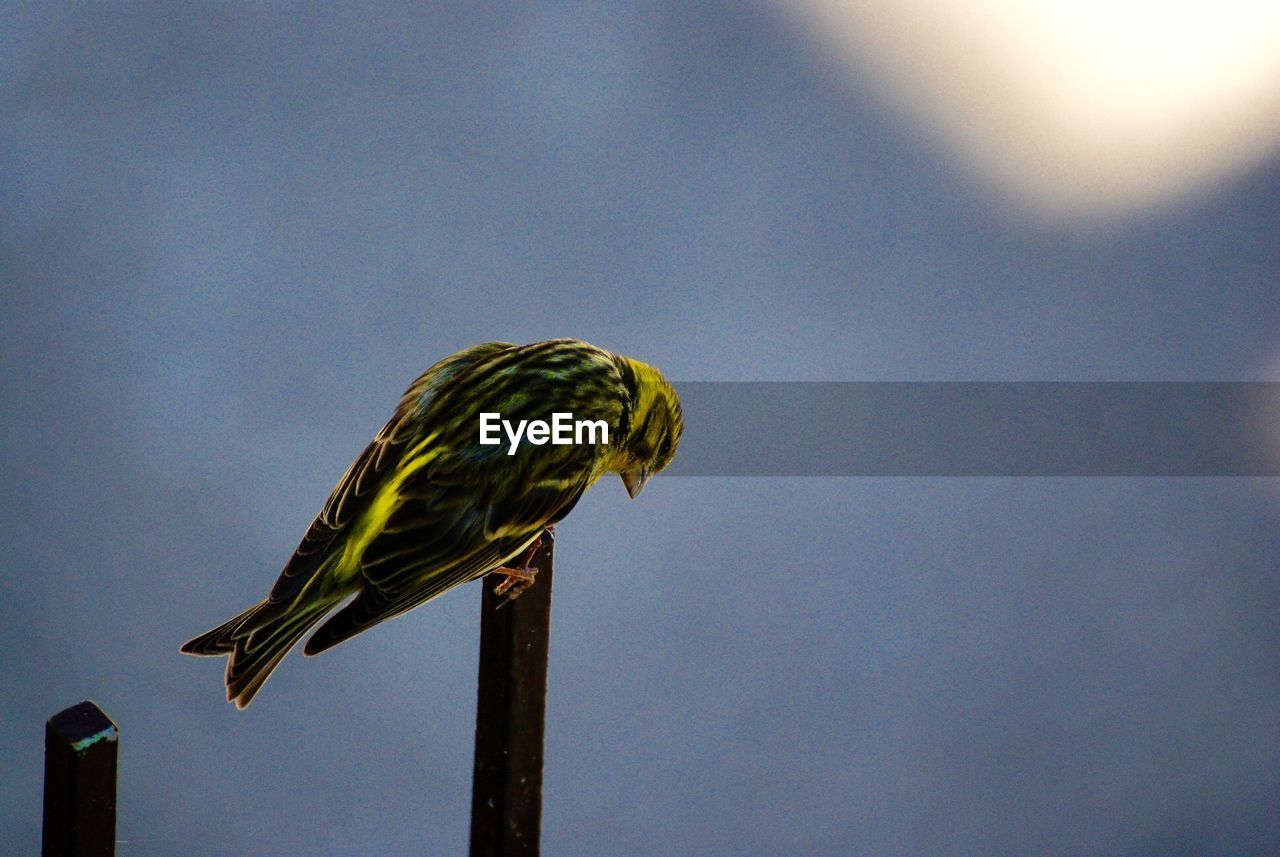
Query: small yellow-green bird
{"type": "Point", "coordinates": [428, 506]}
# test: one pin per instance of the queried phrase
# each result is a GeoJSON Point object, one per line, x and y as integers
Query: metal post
{"type": "Point", "coordinates": [80, 783]}
{"type": "Point", "coordinates": [506, 793]}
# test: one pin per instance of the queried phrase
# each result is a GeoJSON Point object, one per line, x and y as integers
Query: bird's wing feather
{"type": "Point", "coordinates": [535, 508]}
{"type": "Point", "coordinates": [374, 605]}
{"type": "Point", "coordinates": [349, 498]}
{"type": "Point", "coordinates": [360, 484]}
{"type": "Point", "coordinates": [426, 550]}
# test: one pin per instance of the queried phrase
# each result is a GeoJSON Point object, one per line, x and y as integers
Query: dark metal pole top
{"type": "Point", "coordinates": [80, 747]}
{"type": "Point", "coordinates": [81, 726]}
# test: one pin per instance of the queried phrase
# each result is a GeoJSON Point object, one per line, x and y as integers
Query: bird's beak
{"type": "Point", "coordinates": [635, 479]}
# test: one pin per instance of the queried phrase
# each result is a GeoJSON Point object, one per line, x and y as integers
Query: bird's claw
{"type": "Point", "coordinates": [517, 581]}
{"type": "Point", "coordinates": [521, 578]}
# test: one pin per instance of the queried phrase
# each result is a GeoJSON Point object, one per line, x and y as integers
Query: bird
{"type": "Point", "coordinates": [427, 507]}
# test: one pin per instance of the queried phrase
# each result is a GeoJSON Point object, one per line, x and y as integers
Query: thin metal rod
{"type": "Point", "coordinates": [80, 746]}
{"type": "Point", "coordinates": [506, 793]}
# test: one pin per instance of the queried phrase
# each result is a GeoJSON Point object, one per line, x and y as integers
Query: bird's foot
{"type": "Point", "coordinates": [521, 577]}
{"type": "Point", "coordinates": [517, 581]}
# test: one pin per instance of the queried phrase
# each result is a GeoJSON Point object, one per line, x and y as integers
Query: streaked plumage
{"type": "Point", "coordinates": [426, 507]}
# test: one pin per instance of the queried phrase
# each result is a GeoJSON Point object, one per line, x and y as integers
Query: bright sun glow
{"type": "Point", "coordinates": [1077, 105]}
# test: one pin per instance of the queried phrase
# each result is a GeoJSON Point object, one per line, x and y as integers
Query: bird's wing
{"type": "Point", "coordinates": [536, 508]}
{"type": "Point", "coordinates": [374, 605]}
{"type": "Point", "coordinates": [427, 543]}
{"type": "Point", "coordinates": [434, 542]}
{"type": "Point", "coordinates": [360, 484]}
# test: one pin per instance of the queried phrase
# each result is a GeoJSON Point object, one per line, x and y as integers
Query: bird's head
{"type": "Point", "coordinates": [654, 427]}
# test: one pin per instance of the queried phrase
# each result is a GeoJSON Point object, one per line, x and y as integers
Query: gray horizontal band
{"type": "Point", "coordinates": [979, 429]}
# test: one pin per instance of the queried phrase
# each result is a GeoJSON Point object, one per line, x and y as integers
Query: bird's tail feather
{"type": "Point", "coordinates": [220, 641]}
{"type": "Point", "coordinates": [254, 642]}
{"type": "Point", "coordinates": [257, 653]}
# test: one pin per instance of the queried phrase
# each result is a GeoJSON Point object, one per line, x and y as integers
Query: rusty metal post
{"type": "Point", "coordinates": [80, 783]}
{"type": "Point", "coordinates": [506, 791]}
